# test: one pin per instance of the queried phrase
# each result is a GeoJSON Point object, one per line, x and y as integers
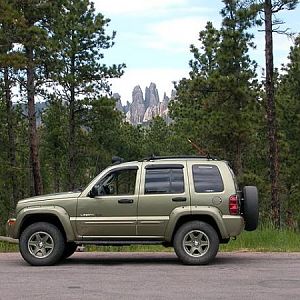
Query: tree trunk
{"type": "Point", "coordinates": [72, 144]}
{"type": "Point", "coordinates": [11, 141]}
{"type": "Point", "coordinates": [271, 114]}
{"type": "Point", "coordinates": [57, 173]}
{"type": "Point", "coordinates": [72, 164]}
{"type": "Point", "coordinates": [238, 165]}
{"type": "Point", "coordinates": [33, 139]}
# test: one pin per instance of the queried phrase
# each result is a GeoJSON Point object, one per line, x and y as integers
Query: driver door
{"type": "Point", "coordinates": [110, 208]}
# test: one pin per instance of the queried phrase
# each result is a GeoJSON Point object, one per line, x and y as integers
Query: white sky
{"type": "Point", "coordinates": [154, 36]}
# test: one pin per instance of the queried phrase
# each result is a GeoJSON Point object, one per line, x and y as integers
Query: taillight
{"type": "Point", "coordinates": [233, 205]}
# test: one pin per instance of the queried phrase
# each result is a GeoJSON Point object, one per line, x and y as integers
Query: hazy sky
{"type": "Point", "coordinates": [153, 39]}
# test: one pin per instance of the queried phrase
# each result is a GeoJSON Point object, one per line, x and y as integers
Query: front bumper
{"type": "Point", "coordinates": [10, 228]}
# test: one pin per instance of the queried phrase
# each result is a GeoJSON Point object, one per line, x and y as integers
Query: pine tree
{"type": "Point", "coordinates": [76, 68]}
{"type": "Point", "coordinates": [103, 122]}
{"type": "Point", "coordinates": [54, 134]}
{"type": "Point", "coordinates": [217, 106]}
{"type": "Point", "coordinates": [268, 9]}
{"type": "Point", "coordinates": [7, 81]}
{"type": "Point", "coordinates": [288, 105]}
{"type": "Point", "coordinates": [27, 24]}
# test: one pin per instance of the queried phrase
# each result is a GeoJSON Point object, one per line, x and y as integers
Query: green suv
{"type": "Point", "coordinates": [190, 203]}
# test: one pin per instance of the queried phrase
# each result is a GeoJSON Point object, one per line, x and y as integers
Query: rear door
{"type": "Point", "coordinates": [163, 188]}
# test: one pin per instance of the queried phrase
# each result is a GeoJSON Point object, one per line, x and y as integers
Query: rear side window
{"type": "Point", "coordinates": [164, 181]}
{"type": "Point", "coordinates": [207, 179]}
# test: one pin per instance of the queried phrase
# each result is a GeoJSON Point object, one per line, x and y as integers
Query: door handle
{"type": "Point", "coordinates": [125, 200]}
{"type": "Point", "coordinates": [179, 199]}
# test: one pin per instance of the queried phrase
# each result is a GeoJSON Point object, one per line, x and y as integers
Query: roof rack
{"type": "Point", "coordinates": [153, 157]}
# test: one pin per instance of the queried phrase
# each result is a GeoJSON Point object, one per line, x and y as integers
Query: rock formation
{"type": "Point", "coordinates": [119, 106]}
{"type": "Point", "coordinates": [151, 95]}
{"type": "Point", "coordinates": [137, 108]}
{"type": "Point", "coordinates": [142, 111]}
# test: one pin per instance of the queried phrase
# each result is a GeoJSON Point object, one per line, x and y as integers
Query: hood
{"type": "Point", "coordinates": [52, 197]}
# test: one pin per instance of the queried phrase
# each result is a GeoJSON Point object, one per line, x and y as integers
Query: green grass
{"type": "Point", "coordinates": [6, 247]}
{"type": "Point", "coordinates": [264, 239]}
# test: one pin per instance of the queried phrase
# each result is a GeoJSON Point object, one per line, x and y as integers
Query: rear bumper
{"type": "Point", "coordinates": [234, 224]}
{"type": "Point", "coordinates": [10, 228]}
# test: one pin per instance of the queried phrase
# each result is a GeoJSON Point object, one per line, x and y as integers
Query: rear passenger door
{"type": "Point", "coordinates": [164, 186]}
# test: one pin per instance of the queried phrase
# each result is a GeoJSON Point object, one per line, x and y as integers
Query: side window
{"type": "Point", "coordinates": [120, 182]}
{"type": "Point", "coordinates": [164, 181]}
{"type": "Point", "coordinates": [207, 179]}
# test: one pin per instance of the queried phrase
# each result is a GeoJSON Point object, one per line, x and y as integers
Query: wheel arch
{"type": "Point", "coordinates": [201, 217]}
{"type": "Point", "coordinates": [42, 217]}
{"type": "Point", "coordinates": [50, 216]}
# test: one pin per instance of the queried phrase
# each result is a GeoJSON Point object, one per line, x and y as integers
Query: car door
{"type": "Point", "coordinates": [163, 188]}
{"type": "Point", "coordinates": [109, 209]}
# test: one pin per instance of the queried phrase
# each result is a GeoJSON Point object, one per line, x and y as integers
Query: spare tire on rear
{"type": "Point", "coordinates": [250, 207]}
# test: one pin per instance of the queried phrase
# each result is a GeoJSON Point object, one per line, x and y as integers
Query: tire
{"type": "Point", "coordinates": [42, 244]}
{"type": "Point", "coordinates": [196, 243]}
{"type": "Point", "coordinates": [250, 207]}
{"type": "Point", "coordinates": [69, 250]}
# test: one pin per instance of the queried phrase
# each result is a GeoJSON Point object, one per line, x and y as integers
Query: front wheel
{"type": "Point", "coordinates": [42, 244]}
{"type": "Point", "coordinates": [196, 243]}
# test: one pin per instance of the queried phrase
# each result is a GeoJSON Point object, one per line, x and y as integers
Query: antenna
{"type": "Point", "coordinates": [200, 151]}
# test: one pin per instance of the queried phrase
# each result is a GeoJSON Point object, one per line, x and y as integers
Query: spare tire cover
{"type": "Point", "coordinates": [250, 211]}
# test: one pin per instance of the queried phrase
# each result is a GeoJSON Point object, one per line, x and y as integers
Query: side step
{"type": "Point", "coordinates": [8, 240]}
{"type": "Point", "coordinates": [121, 243]}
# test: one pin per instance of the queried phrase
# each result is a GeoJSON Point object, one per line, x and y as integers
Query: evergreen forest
{"type": "Point", "coordinates": [53, 51]}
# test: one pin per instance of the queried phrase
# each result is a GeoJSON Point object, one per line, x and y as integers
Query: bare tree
{"type": "Point", "coordinates": [269, 9]}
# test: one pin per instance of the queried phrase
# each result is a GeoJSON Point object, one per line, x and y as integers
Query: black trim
{"type": "Point", "coordinates": [125, 201]}
{"type": "Point", "coordinates": [123, 168]}
{"type": "Point", "coordinates": [153, 157]}
{"type": "Point", "coordinates": [178, 199]}
{"type": "Point", "coordinates": [165, 166]}
{"type": "Point", "coordinates": [121, 242]}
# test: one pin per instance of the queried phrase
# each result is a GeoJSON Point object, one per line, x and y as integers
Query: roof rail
{"type": "Point", "coordinates": [153, 157]}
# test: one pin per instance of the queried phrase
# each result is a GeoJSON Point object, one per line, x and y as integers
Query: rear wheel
{"type": "Point", "coordinates": [196, 243]}
{"type": "Point", "coordinates": [250, 207]}
{"type": "Point", "coordinates": [42, 244]}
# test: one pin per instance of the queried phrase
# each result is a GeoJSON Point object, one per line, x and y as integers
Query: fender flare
{"type": "Point", "coordinates": [56, 211]}
{"type": "Point", "coordinates": [195, 211]}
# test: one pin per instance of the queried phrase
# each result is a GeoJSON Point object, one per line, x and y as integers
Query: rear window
{"type": "Point", "coordinates": [207, 179]}
{"type": "Point", "coordinates": [164, 181]}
